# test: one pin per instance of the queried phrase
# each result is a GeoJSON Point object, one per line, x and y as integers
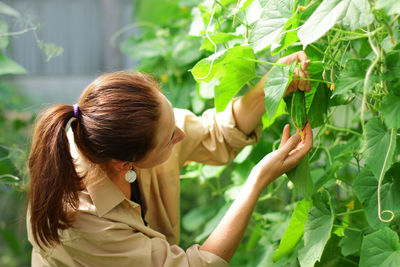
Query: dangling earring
{"type": "Point", "coordinates": [130, 176]}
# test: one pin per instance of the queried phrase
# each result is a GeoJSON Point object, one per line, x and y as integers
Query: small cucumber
{"type": "Point", "coordinates": [298, 110]}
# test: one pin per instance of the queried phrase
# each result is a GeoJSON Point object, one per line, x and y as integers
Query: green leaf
{"type": "Point", "coordinates": [319, 23]}
{"type": "Point", "coordinates": [287, 37]}
{"type": "Point", "coordinates": [294, 231]}
{"type": "Point", "coordinates": [317, 229]}
{"type": "Point", "coordinates": [381, 248]}
{"type": "Point", "coordinates": [366, 187]}
{"type": "Point", "coordinates": [375, 146]}
{"type": "Point", "coordinates": [8, 66]}
{"type": "Point", "coordinates": [274, 16]}
{"type": "Point", "coordinates": [231, 67]}
{"type": "Point", "coordinates": [391, 110]}
{"type": "Point", "coordinates": [218, 38]}
{"type": "Point", "coordinates": [357, 14]}
{"type": "Point", "coordinates": [158, 12]}
{"type": "Point", "coordinates": [351, 242]}
{"type": "Point", "coordinates": [275, 86]}
{"type": "Point", "coordinates": [352, 13]}
{"type": "Point", "coordinates": [7, 10]}
{"type": "Point", "coordinates": [50, 50]}
{"type": "Point", "coordinates": [353, 77]}
{"type": "Point", "coordinates": [281, 110]}
{"type": "Point", "coordinates": [391, 7]}
{"type": "Point", "coordinates": [301, 178]}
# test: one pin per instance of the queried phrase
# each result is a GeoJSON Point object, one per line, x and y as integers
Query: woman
{"type": "Point", "coordinates": [107, 193]}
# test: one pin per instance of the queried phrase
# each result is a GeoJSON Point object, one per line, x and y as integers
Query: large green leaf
{"type": "Point", "coordinates": [381, 248]}
{"type": "Point", "coordinates": [357, 14]}
{"type": "Point", "coordinates": [232, 70]}
{"type": "Point", "coordinates": [391, 111]}
{"type": "Point", "coordinates": [352, 13]}
{"type": "Point", "coordinates": [295, 230]}
{"type": "Point", "coordinates": [391, 7]}
{"type": "Point", "coordinates": [317, 229]}
{"type": "Point", "coordinates": [351, 242]}
{"type": "Point", "coordinates": [301, 178]}
{"type": "Point", "coordinates": [274, 16]}
{"type": "Point", "coordinates": [275, 86]}
{"type": "Point", "coordinates": [353, 77]}
{"type": "Point", "coordinates": [9, 66]}
{"type": "Point", "coordinates": [376, 145]}
{"type": "Point", "coordinates": [366, 189]}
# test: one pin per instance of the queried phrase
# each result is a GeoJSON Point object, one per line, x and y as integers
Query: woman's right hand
{"type": "Point", "coordinates": [286, 157]}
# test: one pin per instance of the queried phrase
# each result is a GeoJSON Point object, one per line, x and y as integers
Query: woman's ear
{"type": "Point", "coordinates": [122, 165]}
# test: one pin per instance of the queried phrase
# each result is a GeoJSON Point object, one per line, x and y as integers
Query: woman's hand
{"type": "Point", "coordinates": [289, 154]}
{"type": "Point", "coordinates": [299, 73]}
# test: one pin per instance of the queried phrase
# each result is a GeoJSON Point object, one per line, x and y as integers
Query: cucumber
{"type": "Point", "coordinates": [298, 110]}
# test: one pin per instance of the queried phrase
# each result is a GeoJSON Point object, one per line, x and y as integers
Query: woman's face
{"type": "Point", "coordinates": [167, 135]}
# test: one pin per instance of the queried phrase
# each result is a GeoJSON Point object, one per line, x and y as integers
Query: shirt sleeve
{"type": "Point", "coordinates": [125, 247]}
{"type": "Point", "coordinates": [212, 138]}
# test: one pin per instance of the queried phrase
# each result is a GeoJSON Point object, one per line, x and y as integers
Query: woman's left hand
{"type": "Point", "coordinates": [299, 73]}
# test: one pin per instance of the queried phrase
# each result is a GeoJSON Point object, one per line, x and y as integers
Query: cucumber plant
{"type": "Point", "coordinates": [340, 206]}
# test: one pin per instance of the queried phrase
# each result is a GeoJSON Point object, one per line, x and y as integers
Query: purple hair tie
{"type": "Point", "coordinates": [76, 110]}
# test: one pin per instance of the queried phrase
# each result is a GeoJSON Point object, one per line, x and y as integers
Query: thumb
{"type": "Point", "coordinates": [291, 144]}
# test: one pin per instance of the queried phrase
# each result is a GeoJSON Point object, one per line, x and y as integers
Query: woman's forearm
{"type": "Point", "coordinates": [225, 239]}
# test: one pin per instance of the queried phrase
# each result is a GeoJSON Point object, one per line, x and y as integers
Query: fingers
{"type": "Point", "coordinates": [285, 135]}
{"type": "Point", "coordinates": [302, 76]}
{"type": "Point", "coordinates": [295, 155]}
{"type": "Point", "coordinates": [291, 144]}
{"type": "Point", "coordinates": [302, 57]}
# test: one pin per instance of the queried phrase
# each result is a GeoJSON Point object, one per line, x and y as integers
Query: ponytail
{"type": "Point", "coordinates": [54, 182]}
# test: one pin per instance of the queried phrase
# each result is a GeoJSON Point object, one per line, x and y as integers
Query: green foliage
{"type": "Point", "coordinates": [352, 172]}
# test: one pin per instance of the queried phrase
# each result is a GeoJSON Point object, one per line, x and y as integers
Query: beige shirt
{"type": "Point", "coordinates": [108, 229]}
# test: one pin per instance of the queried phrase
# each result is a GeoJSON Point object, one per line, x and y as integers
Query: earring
{"type": "Point", "coordinates": [130, 176]}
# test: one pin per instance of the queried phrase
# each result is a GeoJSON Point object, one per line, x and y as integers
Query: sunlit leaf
{"type": "Point", "coordinates": [381, 248]}
{"type": "Point", "coordinates": [391, 7]}
{"type": "Point", "coordinates": [266, 121]}
{"type": "Point", "coordinates": [352, 13]}
{"type": "Point", "coordinates": [218, 38]}
{"type": "Point", "coordinates": [274, 16]}
{"type": "Point", "coordinates": [231, 67]}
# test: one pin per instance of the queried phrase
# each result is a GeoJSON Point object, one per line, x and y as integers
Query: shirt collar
{"type": "Point", "coordinates": [103, 192]}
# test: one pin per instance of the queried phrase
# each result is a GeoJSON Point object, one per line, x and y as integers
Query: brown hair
{"type": "Point", "coordinates": [117, 119]}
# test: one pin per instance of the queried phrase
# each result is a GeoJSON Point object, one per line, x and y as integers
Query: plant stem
{"type": "Point", "coordinates": [342, 129]}
{"type": "Point", "coordinates": [274, 191]}
{"type": "Point", "coordinates": [349, 212]}
{"type": "Point", "coordinates": [348, 228]}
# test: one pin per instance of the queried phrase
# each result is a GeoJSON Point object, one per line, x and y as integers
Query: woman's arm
{"type": "Point", "coordinates": [225, 239]}
{"type": "Point", "coordinates": [249, 108]}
